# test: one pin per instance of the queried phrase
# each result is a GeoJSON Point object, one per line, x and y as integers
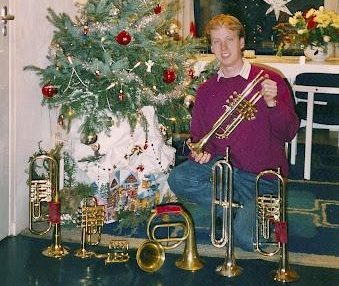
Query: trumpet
{"type": "Point", "coordinates": [237, 108]}
{"type": "Point", "coordinates": [222, 197]}
{"type": "Point", "coordinates": [271, 214]}
{"type": "Point", "coordinates": [44, 203]}
{"type": "Point", "coordinates": [151, 254]}
{"type": "Point", "coordinates": [91, 220]}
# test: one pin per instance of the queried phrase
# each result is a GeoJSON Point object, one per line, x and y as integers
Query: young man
{"type": "Point", "coordinates": [255, 145]}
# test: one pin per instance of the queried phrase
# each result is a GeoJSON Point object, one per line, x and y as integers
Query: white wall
{"type": "Point", "coordinates": [332, 5]}
{"type": "Point", "coordinates": [29, 121]}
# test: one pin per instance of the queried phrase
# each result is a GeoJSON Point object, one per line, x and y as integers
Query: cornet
{"type": "Point", "coordinates": [271, 214]}
{"type": "Point", "coordinates": [151, 254]}
{"type": "Point", "coordinates": [222, 197]}
{"type": "Point", "coordinates": [91, 220]}
{"type": "Point", "coordinates": [237, 108]}
{"type": "Point", "coordinates": [44, 203]}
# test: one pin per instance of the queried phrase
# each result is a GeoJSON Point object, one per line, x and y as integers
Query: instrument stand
{"type": "Point", "coordinates": [56, 250]}
{"type": "Point", "coordinates": [82, 252]}
{"type": "Point", "coordinates": [229, 269]}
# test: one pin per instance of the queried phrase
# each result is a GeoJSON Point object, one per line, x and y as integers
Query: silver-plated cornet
{"type": "Point", "coordinates": [237, 108]}
{"type": "Point", "coordinates": [222, 198]}
{"type": "Point", "coordinates": [271, 215]}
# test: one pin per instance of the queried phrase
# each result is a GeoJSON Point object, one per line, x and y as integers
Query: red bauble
{"type": "Point", "coordinates": [191, 73]}
{"type": "Point", "coordinates": [123, 38]}
{"type": "Point", "coordinates": [169, 75]}
{"type": "Point", "coordinates": [49, 90]}
{"type": "Point", "coordinates": [157, 9]}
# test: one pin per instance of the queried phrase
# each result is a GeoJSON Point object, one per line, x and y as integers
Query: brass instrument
{"type": "Point", "coordinates": [237, 108]}
{"type": "Point", "coordinates": [151, 254]}
{"type": "Point", "coordinates": [44, 203]}
{"type": "Point", "coordinates": [118, 252]}
{"type": "Point", "coordinates": [222, 197]}
{"type": "Point", "coordinates": [92, 221]}
{"type": "Point", "coordinates": [271, 215]}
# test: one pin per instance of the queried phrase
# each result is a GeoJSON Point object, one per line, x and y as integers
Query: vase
{"type": "Point", "coordinates": [319, 54]}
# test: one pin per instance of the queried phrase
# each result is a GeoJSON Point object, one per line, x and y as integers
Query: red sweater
{"type": "Point", "coordinates": [257, 144]}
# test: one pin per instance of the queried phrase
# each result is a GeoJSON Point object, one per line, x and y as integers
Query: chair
{"type": "Point", "coordinates": [317, 104]}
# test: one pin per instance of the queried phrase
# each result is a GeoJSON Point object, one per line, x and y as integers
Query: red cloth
{"type": "Point", "coordinates": [168, 209]}
{"type": "Point", "coordinates": [193, 30]}
{"type": "Point", "coordinates": [281, 232]}
{"type": "Point", "coordinates": [54, 212]}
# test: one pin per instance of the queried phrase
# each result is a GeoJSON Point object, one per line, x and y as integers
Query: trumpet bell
{"type": "Point", "coordinates": [150, 256]}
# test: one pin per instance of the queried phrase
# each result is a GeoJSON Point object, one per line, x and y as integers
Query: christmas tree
{"type": "Point", "coordinates": [121, 68]}
{"type": "Point", "coordinates": [113, 59]}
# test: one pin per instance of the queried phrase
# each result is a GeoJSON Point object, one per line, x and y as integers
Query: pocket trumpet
{"type": "Point", "coordinates": [238, 108]}
{"type": "Point", "coordinates": [271, 214]}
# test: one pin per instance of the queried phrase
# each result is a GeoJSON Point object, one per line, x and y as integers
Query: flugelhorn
{"type": "Point", "coordinates": [237, 108]}
{"type": "Point", "coordinates": [271, 216]}
{"type": "Point", "coordinates": [91, 221]}
{"type": "Point", "coordinates": [44, 202]}
{"type": "Point", "coordinates": [222, 198]}
{"type": "Point", "coordinates": [151, 254]}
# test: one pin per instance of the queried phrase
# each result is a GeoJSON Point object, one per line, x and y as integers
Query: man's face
{"type": "Point", "coordinates": [227, 46]}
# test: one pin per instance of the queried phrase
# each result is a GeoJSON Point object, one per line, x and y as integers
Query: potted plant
{"type": "Point", "coordinates": [315, 31]}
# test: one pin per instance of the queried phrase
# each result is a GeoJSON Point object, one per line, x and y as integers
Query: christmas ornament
{"type": "Point", "coordinates": [97, 74]}
{"type": "Point", "coordinates": [123, 38]}
{"type": "Point", "coordinates": [157, 9]}
{"type": "Point", "coordinates": [61, 120]}
{"type": "Point", "coordinates": [70, 113]}
{"type": "Point", "coordinates": [88, 138]}
{"type": "Point", "coordinates": [169, 75]}
{"type": "Point", "coordinates": [277, 6]}
{"type": "Point", "coordinates": [149, 65]}
{"type": "Point", "coordinates": [189, 101]}
{"type": "Point", "coordinates": [190, 73]}
{"type": "Point", "coordinates": [85, 30]}
{"type": "Point", "coordinates": [49, 90]}
{"type": "Point", "coordinates": [172, 31]}
{"type": "Point", "coordinates": [121, 95]}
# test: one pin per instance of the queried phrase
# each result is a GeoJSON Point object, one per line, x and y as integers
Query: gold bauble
{"type": "Point", "coordinates": [88, 138]}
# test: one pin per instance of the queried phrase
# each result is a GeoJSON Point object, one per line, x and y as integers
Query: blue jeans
{"type": "Point", "coordinates": [192, 184]}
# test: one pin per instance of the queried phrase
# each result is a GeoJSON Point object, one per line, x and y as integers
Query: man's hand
{"type": "Point", "coordinates": [200, 158]}
{"type": "Point", "coordinates": [269, 92]}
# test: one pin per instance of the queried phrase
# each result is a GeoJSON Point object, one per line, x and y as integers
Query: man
{"type": "Point", "coordinates": [255, 145]}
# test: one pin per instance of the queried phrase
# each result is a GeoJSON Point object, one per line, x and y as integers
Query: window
{"type": "Point", "coordinates": [252, 13]}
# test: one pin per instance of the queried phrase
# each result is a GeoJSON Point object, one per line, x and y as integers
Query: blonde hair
{"type": "Point", "coordinates": [225, 20]}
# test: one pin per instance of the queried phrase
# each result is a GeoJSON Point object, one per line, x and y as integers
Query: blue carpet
{"type": "Point", "coordinates": [324, 167]}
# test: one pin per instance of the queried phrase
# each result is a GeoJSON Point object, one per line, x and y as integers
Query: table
{"type": "Point", "coordinates": [289, 67]}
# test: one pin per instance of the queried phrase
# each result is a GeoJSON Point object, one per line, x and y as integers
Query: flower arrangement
{"type": "Point", "coordinates": [312, 27]}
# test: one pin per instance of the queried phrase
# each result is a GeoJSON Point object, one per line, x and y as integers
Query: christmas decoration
{"type": "Point", "coordinates": [88, 138]}
{"type": "Point", "coordinates": [49, 90]}
{"type": "Point", "coordinates": [119, 70]}
{"type": "Point", "coordinates": [169, 75]}
{"type": "Point", "coordinates": [123, 38]}
{"type": "Point", "coordinates": [277, 6]}
{"type": "Point", "coordinates": [157, 9]}
{"type": "Point", "coordinates": [86, 29]}
{"type": "Point", "coordinates": [120, 37]}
